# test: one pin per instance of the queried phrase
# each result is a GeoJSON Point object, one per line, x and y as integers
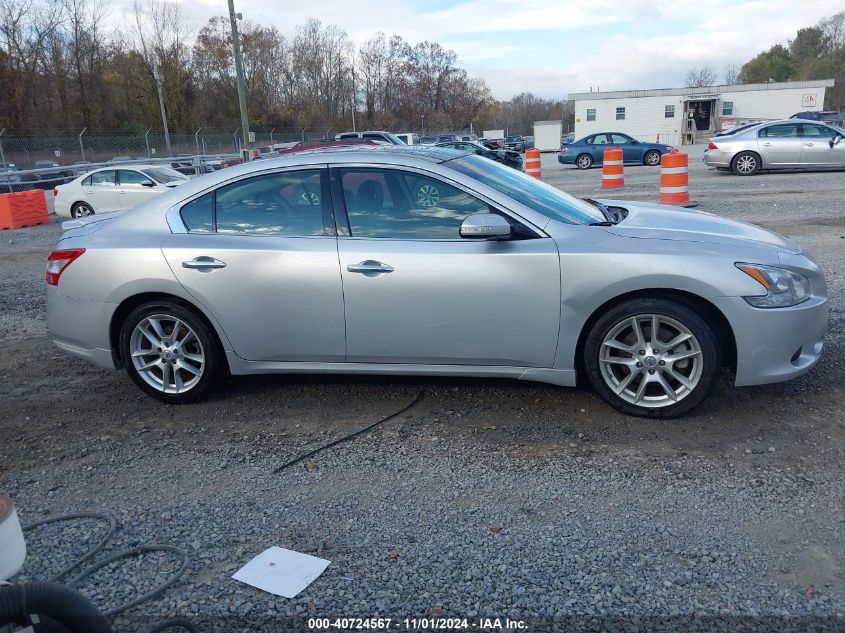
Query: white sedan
{"type": "Point", "coordinates": [114, 189]}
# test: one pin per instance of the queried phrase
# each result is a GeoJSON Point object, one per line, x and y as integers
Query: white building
{"type": "Point", "coordinates": [681, 116]}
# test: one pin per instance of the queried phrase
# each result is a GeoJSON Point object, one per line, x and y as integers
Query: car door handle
{"type": "Point", "coordinates": [766, 144]}
{"type": "Point", "coordinates": [204, 263]}
{"type": "Point", "coordinates": [370, 267]}
{"type": "Point", "coordinates": [808, 144]}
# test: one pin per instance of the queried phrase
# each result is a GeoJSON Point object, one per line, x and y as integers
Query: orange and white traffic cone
{"type": "Point", "coordinates": [674, 178]}
{"type": "Point", "coordinates": [532, 162]}
{"type": "Point", "coordinates": [613, 169]}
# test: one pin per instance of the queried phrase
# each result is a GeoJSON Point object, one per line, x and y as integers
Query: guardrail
{"type": "Point", "coordinates": [50, 177]}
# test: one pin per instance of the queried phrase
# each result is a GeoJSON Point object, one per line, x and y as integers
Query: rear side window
{"type": "Point", "coordinates": [786, 130]}
{"type": "Point", "coordinates": [87, 182]}
{"type": "Point", "coordinates": [103, 179]}
{"type": "Point", "coordinates": [198, 215]}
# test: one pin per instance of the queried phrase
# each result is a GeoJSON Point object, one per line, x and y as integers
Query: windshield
{"type": "Point", "coordinates": [511, 139]}
{"type": "Point", "coordinates": [535, 194]}
{"type": "Point", "coordinates": [164, 175]}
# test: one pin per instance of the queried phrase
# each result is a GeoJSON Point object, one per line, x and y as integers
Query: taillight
{"type": "Point", "coordinates": [563, 149]}
{"type": "Point", "coordinates": [58, 261]}
{"type": "Point", "coordinates": [55, 191]}
{"type": "Point", "coordinates": [712, 146]}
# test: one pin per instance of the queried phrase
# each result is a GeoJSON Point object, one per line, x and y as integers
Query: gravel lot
{"type": "Point", "coordinates": [487, 498]}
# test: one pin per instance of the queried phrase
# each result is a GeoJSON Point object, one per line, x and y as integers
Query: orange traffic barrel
{"type": "Point", "coordinates": [613, 169]}
{"type": "Point", "coordinates": [674, 178]}
{"type": "Point", "coordinates": [532, 162]}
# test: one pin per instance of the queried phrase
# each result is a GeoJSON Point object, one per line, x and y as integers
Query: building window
{"type": "Point", "coordinates": [727, 108]}
{"type": "Point", "coordinates": [591, 114]}
{"type": "Point", "coordinates": [669, 112]}
{"type": "Point", "coordinates": [620, 114]}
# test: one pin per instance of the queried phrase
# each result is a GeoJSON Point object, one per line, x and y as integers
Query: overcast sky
{"type": "Point", "coordinates": [553, 47]}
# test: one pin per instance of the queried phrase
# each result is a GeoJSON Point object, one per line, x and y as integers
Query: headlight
{"type": "Point", "coordinates": [784, 288]}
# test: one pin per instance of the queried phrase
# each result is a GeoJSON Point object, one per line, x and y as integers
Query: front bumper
{"type": "Point", "coordinates": [774, 345]}
{"type": "Point", "coordinates": [80, 328]}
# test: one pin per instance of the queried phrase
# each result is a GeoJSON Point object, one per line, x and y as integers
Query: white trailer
{"type": "Point", "coordinates": [547, 135]}
{"type": "Point", "coordinates": [494, 135]}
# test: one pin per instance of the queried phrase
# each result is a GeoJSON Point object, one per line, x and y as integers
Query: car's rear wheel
{"type": "Point", "coordinates": [652, 158]}
{"type": "Point", "coordinates": [81, 210]}
{"type": "Point", "coordinates": [745, 164]}
{"type": "Point", "coordinates": [170, 352]}
{"type": "Point", "coordinates": [652, 357]}
{"type": "Point", "coordinates": [584, 161]}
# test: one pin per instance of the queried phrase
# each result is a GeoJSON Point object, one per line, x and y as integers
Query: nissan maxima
{"type": "Point", "coordinates": [428, 261]}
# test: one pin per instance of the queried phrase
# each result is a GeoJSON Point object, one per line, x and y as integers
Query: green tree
{"type": "Point", "coordinates": [774, 64]}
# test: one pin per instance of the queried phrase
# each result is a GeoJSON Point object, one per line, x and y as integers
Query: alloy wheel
{"type": "Point", "coordinates": [83, 210]}
{"type": "Point", "coordinates": [746, 164]}
{"type": "Point", "coordinates": [584, 162]}
{"type": "Point", "coordinates": [651, 361]}
{"type": "Point", "coordinates": [652, 159]}
{"type": "Point", "coordinates": [167, 354]}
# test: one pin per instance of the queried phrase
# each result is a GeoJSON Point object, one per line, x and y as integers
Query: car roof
{"type": "Point", "coordinates": [385, 154]}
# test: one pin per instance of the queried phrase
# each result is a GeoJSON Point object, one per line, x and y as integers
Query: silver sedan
{"type": "Point", "coordinates": [430, 262]}
{"type": "Point", "coordinates": [788, 144]}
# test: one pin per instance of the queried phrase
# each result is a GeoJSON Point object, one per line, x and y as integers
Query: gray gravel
{"type": "Point", "coordinates": [502, 499]}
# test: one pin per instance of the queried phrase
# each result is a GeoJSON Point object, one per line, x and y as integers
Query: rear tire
{"type": "Point", "coordinates": [584, 161]}
{"type": "Point", "coordinates": [745, 164]}
{"type": "Point", "coordinates": [652, 158]}
{"type": "Point", "coordinates": [638, 373]}
{"type": "Point", "coordinates": [81, 210]}
{"type": "Point", "coordinates": [170, 352]}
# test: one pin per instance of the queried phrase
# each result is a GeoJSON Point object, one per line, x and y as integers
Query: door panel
{"type": "Point", "coordinates": [102, 192]}
{"type": "Point", "coordinates": [816, 150]}
{"type": "Point", "coordinates": [130, 190]}
{"type": "Point", "coordinates": [780, 145]}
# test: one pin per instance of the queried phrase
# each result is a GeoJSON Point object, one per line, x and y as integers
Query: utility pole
{"type": "Point", "coordinates": [239, 70]}
{"type": "Point", "coordinates": [197, 140]}
{"type": "Point", "coordinates": [353, 98]}
{"type": "Point", "coordinates": [2, 155]}
{"type": "Point", "coordinates": [157, 77]}
{"type": "Point", "coordinates": [81, 148]}
{"type": "Point", "coordinates": [147, 141]}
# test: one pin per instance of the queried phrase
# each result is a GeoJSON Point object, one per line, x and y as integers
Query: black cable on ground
{"type": "Point", "coordinates": [69, 517]}
{"type": "Point", "coordinates": [352, 436]}
{"type": "Point", "coordinates": [181, 622]}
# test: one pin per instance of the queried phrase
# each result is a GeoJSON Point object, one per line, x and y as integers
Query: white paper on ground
{"type": "Point", "coordinates": [282, 572]}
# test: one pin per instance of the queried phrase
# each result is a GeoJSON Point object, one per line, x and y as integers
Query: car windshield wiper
{"type": "Point", "coordinates": [608, 216]}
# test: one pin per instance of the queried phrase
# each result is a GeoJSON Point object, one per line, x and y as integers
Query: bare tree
{"type": "Point", "coordinates": [697, 77]}
{"type": "Point", "coordinates": [731, 74]}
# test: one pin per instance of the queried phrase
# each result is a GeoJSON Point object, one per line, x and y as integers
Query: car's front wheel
{"type": "Point", "coordinates": [584, 161]}
{"type": "Point", "coordinates": [652, 158]}
{"type": "Point", "coordinates": [652, 357]}
{"type": "Point", "coordinates": [170, 352]}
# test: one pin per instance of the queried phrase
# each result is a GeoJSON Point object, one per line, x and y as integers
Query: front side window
{"type": "Point", "coordinates": [164, 175]}
{"type": "Point", "coordinates": [103, 179]}
{"type": "Point", "coordinates": [669, 112]}
{"type": "Point", "coordinates": [727, 108]}
{"type": "Point", "coordinates": [591, 114]}
{"type": "Point", "coordinates": [620, 114]}
{"type": "Point", "coordinates": [387, 203]}
{"type": "Point", "coordinates": [130, 177]}
{"type": "Point", "coordinates": [818, 131]}
{"type": "Point", "coordinates": [285, 203]}
{"type": "Point", "coordinates": [785, 130]}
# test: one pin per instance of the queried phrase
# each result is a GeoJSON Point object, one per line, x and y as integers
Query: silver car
{"type": "Point", "coordinates": [787, 144]}
{"type": "Point", "coordinates": [401, 260]}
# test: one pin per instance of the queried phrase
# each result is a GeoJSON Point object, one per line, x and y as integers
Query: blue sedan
{"type": "Point", "coordinates": [589, 150]}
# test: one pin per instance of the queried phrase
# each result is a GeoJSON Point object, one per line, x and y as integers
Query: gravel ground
{"type": "Point", "coordinates": [486, 499]}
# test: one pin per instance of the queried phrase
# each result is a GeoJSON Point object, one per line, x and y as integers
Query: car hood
{"type": "Point", "coordinates": [653, 221]}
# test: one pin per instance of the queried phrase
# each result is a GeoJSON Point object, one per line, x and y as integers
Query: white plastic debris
{"type": "Point", "coordinates": [281, 572]}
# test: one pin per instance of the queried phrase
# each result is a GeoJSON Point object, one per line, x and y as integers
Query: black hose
{"type": "Point", "coordinates": [93, 551]}
{"type": "Point", "coordinates": [66, 606]}
{"type": "Point", "coordinates": [352, 436]}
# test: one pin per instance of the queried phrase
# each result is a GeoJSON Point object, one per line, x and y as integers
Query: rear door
{"type": "Point", "coordinates": [780, 145]}
{"type": "Point", "coordinates": [101, 191]}
{"type": "Point", "coordinates": [416, 292]}
{"type": "Point", "coordinates": [597, 145]}
{"type": "Point", "coordinates": [261, 255]}
{"type": "Point", "coordinates": [816, 150]}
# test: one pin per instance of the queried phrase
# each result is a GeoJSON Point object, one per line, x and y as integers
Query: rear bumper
{"type": "Point", "coordinates": [566, 159]}
{"type": "Point", "coordinates": [80, 328]}
{"type": "Point", "coordinates": [778, 344]}
{"type": "Point", "coordinates": [717, 158]}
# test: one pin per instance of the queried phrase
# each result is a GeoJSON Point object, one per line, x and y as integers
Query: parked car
{"type": "Point", "coordinates": [45, 164]}
{"type": "Point", "coordinates": [589, 150]}
{"type": "Point", "coordinates": [9, 174]}
{"type": "Point", "coordinates": [826, 116]}
{"type": "Point", "coordinates": [109, 189]}
{"type": "Point", "coordinates": [432, 262]}
{"type": "Point", "coordinates": [528, 142]}
{"type": "Point", "coordinates": [370, 135]}
{"type": "Point", "coordinates": [515, 143]}
{"type": "Point", "coordinates": [508, 157]}
{"type": "Point", "coordinates": [492, 143]}
{"type": "Point", "coordinates": [566, 139]}
{"type": "Point", "coordinates": [439, 138]}
{"type": "Point", "coordinates": [786, 144]}
{"type": "Point", "coordinates": [409, 138]}
{"type": "Point", "coordinates": [324, 143]}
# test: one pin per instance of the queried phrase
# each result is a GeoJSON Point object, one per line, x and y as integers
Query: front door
{"type": "Point", "coordinates": [816, 150]}
{"type": "Point", "coordinates": [133, 188]}
{"type": "Point", "coordinates": [780, 144]}
{"type": "Point", "coordinates": [260, 254]}
{"type": "Point", "coordinates": [415, 292]}
{"type": "Point", "coordinates": [631, 151]}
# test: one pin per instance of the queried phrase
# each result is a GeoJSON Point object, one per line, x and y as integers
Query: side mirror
{"type": "Point", "coordinates": [835, 141]}
{"type": "Point", "coordinates": [486, 226]}
{"type": "Point", "coordinates": [148, 183]}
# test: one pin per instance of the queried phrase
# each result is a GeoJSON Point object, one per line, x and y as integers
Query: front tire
{"type": "Point", "coordinates": [584, 161]}
{"type": "Point", "coordinates": [745, 164]}
{"type": "Point", "coordinates": [170, 352]}
{"type": "Point", "coordinates": [652, 158]}
{"type": "Point", "coordinates": [652, 357]}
